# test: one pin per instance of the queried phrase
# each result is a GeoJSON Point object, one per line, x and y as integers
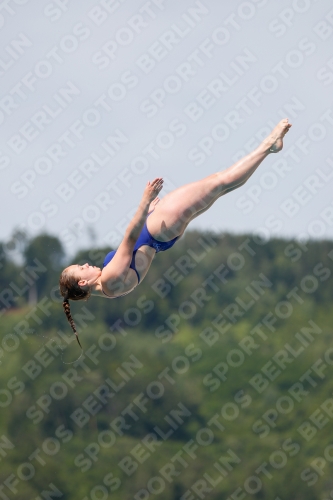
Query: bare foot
{"type": "Point", "coordinates": [274, 141]}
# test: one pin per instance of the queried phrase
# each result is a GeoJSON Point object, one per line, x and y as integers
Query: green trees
{"type": "Point", "coordinates": [45, 255]}
{"type": "Point", "coordinates": [211, 380]}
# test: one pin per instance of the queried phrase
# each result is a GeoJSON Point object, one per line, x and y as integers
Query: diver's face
{"type": "Point", "coordinates": [86, 274]}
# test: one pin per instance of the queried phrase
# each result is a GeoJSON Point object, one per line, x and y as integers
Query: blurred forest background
{"type": "Point", "coordinates": [211, 380]}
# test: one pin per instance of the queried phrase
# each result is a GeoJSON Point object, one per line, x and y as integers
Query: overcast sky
{"type": "Point", "coordinates": [97, 98]}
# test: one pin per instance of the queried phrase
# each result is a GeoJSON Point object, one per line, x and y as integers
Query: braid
{"type": "Point", "coordinates": [70, 290]}
{"type": "Point", "coordinates": [67, 310]}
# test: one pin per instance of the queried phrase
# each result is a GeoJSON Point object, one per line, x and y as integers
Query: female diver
{"type": "Point", "coordinates": [157, 225]}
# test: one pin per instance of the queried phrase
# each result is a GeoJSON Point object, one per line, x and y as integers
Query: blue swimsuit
{"type": "Point", "coordinates": [145, 238]}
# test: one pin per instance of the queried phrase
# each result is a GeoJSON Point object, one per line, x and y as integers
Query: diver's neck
{"type": "Point", "coordinates": [96, 287]}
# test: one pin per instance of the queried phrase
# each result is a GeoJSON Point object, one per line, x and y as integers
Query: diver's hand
{"type": "Point", "coordinates": [152, 189]}
{"type": "Point", "coordinates": [153, 204]}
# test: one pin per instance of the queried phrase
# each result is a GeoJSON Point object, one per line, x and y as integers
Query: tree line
{"type": "Point", "coordinates": [212, 379]}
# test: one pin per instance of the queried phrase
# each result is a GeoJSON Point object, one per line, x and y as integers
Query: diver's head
{"type": "Point", "coordinates": [76, 283]}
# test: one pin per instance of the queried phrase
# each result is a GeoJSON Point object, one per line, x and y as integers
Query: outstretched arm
{"type": "Point", "coordinates": [116, 271]}
{"type": "Point", "coordinates": [135, 226]}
